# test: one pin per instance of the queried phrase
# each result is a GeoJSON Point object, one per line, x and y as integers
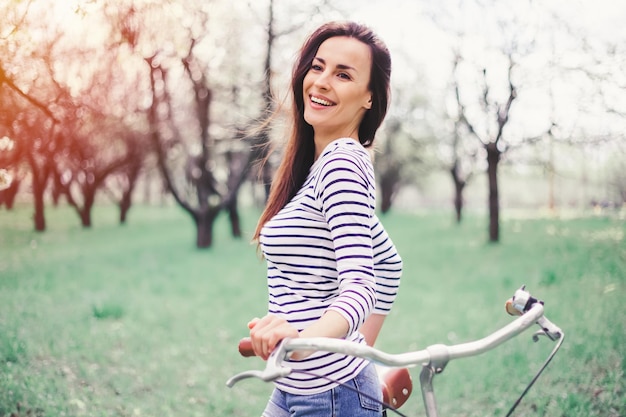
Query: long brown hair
{"type": "Point", "coordinates": [300, 149]}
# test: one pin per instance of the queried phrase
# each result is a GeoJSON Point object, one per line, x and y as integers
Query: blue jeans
{"type": "Point", "coordinates": [340, 401]}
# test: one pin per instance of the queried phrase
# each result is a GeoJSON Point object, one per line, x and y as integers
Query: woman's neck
{"type": "Point", "coordinates": [321, 142]}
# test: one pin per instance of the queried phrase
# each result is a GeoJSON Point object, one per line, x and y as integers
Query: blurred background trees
{"type": "Point", "coordinates": [495, 104]}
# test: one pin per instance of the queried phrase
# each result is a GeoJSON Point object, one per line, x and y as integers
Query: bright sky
{"type": "Point", "coordinates": [420, 49]}
{"type": "Point", "coordinates": [419, 45]}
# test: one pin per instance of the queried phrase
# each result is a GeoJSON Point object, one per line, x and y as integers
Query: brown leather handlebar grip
{"type": "Point", "coordinates": [508, 306]}
{"type": "Point", "coordinates": [245, 347]}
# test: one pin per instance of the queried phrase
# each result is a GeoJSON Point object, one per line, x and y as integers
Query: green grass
{"type": "Point", "coordinates": [135, 321]}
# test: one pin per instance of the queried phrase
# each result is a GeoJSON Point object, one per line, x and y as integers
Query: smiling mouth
{"type": "Point", "coordinates": [320, 101]}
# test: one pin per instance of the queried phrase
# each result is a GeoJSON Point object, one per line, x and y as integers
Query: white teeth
{"type": "Point", "coordinates": [320, 101]}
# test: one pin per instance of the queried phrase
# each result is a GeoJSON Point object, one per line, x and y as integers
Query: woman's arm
{"type": "Point", "coordinates": [371, 328]}
{"type": "Point", "coordinates": [267, 332]}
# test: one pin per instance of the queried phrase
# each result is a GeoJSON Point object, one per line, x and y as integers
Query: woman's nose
{"type": "Point", "coordinates": [322, 80]}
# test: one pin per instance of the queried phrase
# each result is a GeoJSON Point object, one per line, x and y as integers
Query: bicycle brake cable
{"type": "Point", "coordinates": [536, 377]}
{"type": "Point", "coordinates": [384, 404]}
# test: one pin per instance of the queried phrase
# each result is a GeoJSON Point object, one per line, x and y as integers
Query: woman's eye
{"type": "Point", "coordinates": [344, 76]}
{"type": "Point", "coordinates": [316, 67]}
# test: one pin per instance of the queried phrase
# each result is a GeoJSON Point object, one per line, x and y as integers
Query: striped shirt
{"type": "Point", "coordinates": [327, 250]}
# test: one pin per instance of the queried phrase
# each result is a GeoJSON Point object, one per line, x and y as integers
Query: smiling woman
{"type": "Point", "coordinates": [332, 270]}
{"type": "Point", "coordinates": [337, 95]}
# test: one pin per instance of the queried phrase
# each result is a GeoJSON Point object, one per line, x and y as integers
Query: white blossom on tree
{"type": "Point", "coordinates": [6, 144]}
{"type": "Point", "coordinates": [5, 179]}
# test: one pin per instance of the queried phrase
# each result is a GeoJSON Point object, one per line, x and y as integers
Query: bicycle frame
{"type": "Point", "coordinates": [433, 359]}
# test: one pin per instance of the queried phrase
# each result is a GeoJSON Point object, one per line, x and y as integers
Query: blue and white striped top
{"type": "Point", "coordinates": [326, 249]}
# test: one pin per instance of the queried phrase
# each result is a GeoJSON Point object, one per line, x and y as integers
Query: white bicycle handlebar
{"type": "Point", "coordinates": [433, 359]}
{"type": "Point", "coordinates": [274, 368]}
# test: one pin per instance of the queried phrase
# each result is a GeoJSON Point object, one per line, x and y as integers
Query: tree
{"type": "Point", "coordinates": [261, 138]}
{"type": "Point", "coordinates": [487, 78]}
{"type": "Point", "coordinates": [86, 164]}
{"type": "Point", "coordinates": [209, 199]}
{"type": "Point", "coordinates": [28, 100]}
{"type": "Point", "coordinates": [121, 184]}
{"type": "Point", "coordinates": [31, 124]}
{"type": "Point", "coordinates": [463, 155]}
{"type": "Point", "coordinates": [539, 81]}
{"type": "Point", "coordinates": [493, 146]}
{"type": "Point", "coordinates": [398, 157]}
{"type": "Point", "coordinates": [8, 185]}
{"type": "Point", "coordinates": [216, 173]}
{"type": "Point", "coordinates": [62, 118]}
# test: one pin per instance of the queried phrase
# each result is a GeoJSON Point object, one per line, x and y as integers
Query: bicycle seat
{"type": "Point", "coordinates": [396, 384]}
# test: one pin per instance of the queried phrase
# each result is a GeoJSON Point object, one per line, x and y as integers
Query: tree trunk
{"type": "Point", "coordinates": [267, 180]}
{"type": "Point", "coordinates": [389, 182]}
{"type": "Point", "coordinates": [458, 200]}
{"type": "Point", "coordinates": [40, 179]}
{"type": "Point", "coordinates": [385, 199]}
{"type": "Point", "coordinates": [459, 186]}
{"type": "Point", "coordinates": [85, 218]}
{"type": "Point", "coordinates": [235, 220]}
{"type": "Point", "coordinates": [493, 159]}
{"type": "Point", "coordinates": [125, 204]}
{"type": "Point", "coordinates": [39, 216]}
{"type": "Point", "coordinates": [127, 194]}
{"type": "Point", "coordinates": [204, 225]}
{"type": "Point", "coordinates": [7, 197]}
{"type": "Point", "coordinates": [57, 190]}
{"type": "Point", "coordinates": [85, 213]}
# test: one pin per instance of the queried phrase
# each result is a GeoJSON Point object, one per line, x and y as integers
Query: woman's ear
{"type": "Point", "coordinates": [368, 104]}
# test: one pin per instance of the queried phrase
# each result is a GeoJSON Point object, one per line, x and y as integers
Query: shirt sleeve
{"type": "Point", "coordinates": [345, 193]}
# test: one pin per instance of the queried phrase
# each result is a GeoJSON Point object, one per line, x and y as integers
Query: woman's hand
{"type": "Point", "coordinates": [267, 332]}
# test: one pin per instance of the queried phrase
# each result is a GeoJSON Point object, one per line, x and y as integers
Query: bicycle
{"type": "Point", "coordinates": [397, 385]}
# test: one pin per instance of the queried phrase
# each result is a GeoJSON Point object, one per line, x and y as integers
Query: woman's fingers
{"type": "Point", "coordinates": [258, 333]}
{"type": "Point", "coordinates": [267, 332]}
{"type": "Point", "coordinates": [264, 335]}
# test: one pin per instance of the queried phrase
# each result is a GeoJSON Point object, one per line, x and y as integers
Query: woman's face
{"type": "Point", "coordinates": [336, 88]}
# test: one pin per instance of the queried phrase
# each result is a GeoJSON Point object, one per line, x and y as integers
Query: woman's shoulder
{"type": "Point", "coordinates": [343, 159]}
{"type": "Point", "coordinates": [347, 149]}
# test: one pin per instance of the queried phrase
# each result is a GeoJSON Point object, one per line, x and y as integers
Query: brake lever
{"type": "Point", "coordinates": [548, 329]}
{"type": "Point", "coordinates": [273, 369]}
{"type": "Point", "coordinates": [521, 302]}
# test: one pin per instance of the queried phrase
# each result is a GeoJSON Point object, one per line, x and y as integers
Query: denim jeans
{"type": "Point", "coordinates": [340, 401]}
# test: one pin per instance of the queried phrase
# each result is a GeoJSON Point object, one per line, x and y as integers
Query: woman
{"type": "Point", "coordinates": [332, 269]}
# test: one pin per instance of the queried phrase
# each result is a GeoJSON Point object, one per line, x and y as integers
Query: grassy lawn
{"type": "Point", "coordinates": [135, 321]}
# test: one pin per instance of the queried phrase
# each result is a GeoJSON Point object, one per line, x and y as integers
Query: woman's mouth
{"type": "Point", "coordinates": [321, 101]}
